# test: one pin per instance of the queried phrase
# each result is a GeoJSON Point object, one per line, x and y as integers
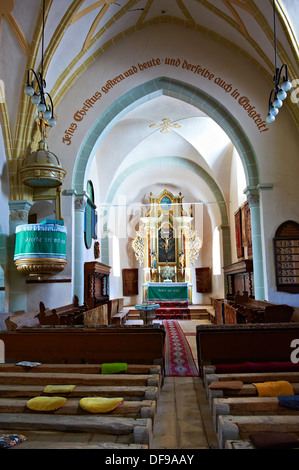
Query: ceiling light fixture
{"type": "Point", "coordinates": [39, 97]}
{"type": "Point", "coordinates": [279, 92]}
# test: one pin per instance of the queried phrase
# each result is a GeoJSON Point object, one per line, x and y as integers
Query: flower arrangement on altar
{"type": "Point", "coordinates": [167, 273]}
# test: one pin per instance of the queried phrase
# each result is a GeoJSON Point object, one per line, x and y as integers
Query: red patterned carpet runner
{"type": "Point", "coordinates": [179, 361]}
{"type": "Point", "coordinates": [173, 310]}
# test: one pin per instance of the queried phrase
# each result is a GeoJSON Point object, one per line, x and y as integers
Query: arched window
{"type": "Point", "coordinates": [116, 258]}
{"type": "Point", "coordinates": [90, 219]}
{"type": "Point", "coordinates": [216, 252]}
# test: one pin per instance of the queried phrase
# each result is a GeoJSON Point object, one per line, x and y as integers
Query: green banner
{"type": "Point", "coordinates": [167, 292]}
{"type": "Point", "coordinates": [40, 241]}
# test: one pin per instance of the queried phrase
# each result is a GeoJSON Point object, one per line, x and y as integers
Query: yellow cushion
{"type": "Point", "coordinates": [274, 389]}
{"type": "Point", "coordinates": [45, 403]}
{"type": "Point", "coordinates": [100, 404]}
{"type": "Point", "coordinates": [59, 388]}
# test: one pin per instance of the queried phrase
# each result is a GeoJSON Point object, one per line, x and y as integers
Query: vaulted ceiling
{"type": "Point", "coordinates": [80, 32]}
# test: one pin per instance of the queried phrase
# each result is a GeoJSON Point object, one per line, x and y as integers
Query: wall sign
{"type": "Point", "coordinates": [286, 252]}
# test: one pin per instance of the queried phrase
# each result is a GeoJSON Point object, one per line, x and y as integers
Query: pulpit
{"type": "Point", "coordinates": [96, 283]}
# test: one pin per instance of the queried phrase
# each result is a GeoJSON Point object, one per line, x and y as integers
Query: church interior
{"type": "Point", "coordinates": [149, 224]}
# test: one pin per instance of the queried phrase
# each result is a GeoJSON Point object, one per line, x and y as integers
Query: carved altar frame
{"type": "Point", "coordinates": [166, 211]}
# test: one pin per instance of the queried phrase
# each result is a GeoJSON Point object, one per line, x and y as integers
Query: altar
{"type": "Point", "coordinates": [173, 291]}
{"type": "Point", "coordinates": [166, 244]}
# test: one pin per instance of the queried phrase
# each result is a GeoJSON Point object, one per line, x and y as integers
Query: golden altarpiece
{"type": "Point", "coordinates": [166, 243]}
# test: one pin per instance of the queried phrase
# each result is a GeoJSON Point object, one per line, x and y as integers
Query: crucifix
{"type": "Point", "coordinates": [166, 236]}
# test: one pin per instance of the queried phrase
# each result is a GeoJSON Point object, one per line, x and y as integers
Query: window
{"type": "Point", "coordinates": [216, 252]}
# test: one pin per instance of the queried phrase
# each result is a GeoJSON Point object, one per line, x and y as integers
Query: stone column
{"type": "Point", "coordinates": [78, 258]}
{"type": "Point", "coordinates": [253, 198]}
{"type": "Point", "coordinates": [17, 295]}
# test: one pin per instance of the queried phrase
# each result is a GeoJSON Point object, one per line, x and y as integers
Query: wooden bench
{"type": "Point", "coordinates": [232, 428]}
{"type": "Point", "coordinates": [137, 431]}
{"type": "Point", "coordinates": [96, 317]}
{"type": "Point", "coordinates": [252, 377]}
{"type": "Point", "coordinates": [44, 378]}
{"type": "Point", "coordinates": [237, 406]}
{"type": "Point", "coordinates": [218, 344]}
{"type": "Point", "coordinates": [46, 440]}
{"type": "Point", "coordinates": [247, 378]}
{"type": "Point", "coordinates": [251, 310]}
{"type": "Point", "coordinates": [130, 425]}
{"type": "Point", "coordinates": [229, 406]}
{"type": "Point", "coordinates": [71, 314]}
{"type": "Point", "coordinates": [247, 310]}
{"type": "Point", "coordinates": [131, 409]}
{"type": "Point", "coordinates": [118, 314]}
{"type": "Point", "coordinates": [130, 344]}
{"type": "Point", "coordinates": [108, 391]}
{"type": "Point", "coordinates": [21, 319]}
{"type": "Point", "coordinates": [79, 368]}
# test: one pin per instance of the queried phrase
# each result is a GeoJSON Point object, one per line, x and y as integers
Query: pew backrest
{"type": "Point", "coordinates": [139, 345]}
{"type": "Point", "coordinates": [240, 343]}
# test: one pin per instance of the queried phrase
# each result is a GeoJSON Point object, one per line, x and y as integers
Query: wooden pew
{"type": "Point", "coordinates": [239, 343]}
{"type": "Point", "coordinates": [46, 440]}
{"type": "Point", "coordinates": [130, 344]}
{"type": "Point", "coordinates": [247, 390]}
{"type": "Point", "coordinates": [244, 406]}
{"type": "Point", "coordinates": [71, 314]}
{"type": "Point", "coordinates": [131, 409]}
{"type": "Point", "coordinates": [252, 377]}
{"type": "Point", "coordinates": [137, 431]}
{"type": "Point", "coordinates": [96, 317]}
{"type": "Point", "coordinates": [79, 368]}
{"type": "Point", "coordinates": [127, 392]}
{"type": "Point", "coordinates": [130, 424]}
{"type": "Point", "coordinates": [232, 428]}
{"type": "Point", "coordinates": [22, 319]}
{"type": "Point", "coordinates": [248, 379]}
{"type": "Point", "coordinates": [259, 311]}
{"type": "Point", "coordinates": [118, 314]}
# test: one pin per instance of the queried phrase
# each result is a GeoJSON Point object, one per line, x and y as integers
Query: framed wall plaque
{"type": "Point", "coordinates": [130, 281]}
{"type": "Point", "coordinates": [203, 279]}
{"type": "Point", "coordinates": [286, 255]}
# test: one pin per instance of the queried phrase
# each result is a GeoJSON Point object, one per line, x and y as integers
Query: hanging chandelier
{"type": "Point", "coordinates": [38, 97]}
{"type": "Point", "coordinates": [279, 92]}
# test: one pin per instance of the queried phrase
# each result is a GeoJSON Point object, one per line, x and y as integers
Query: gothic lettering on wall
{"type": "Point", "coordinates": [202, 72]}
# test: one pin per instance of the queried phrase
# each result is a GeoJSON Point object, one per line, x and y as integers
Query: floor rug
{"type": "Point", "coordinates": [179, 360]}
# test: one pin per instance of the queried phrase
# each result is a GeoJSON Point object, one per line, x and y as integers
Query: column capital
{"type": "Point", "coordinates": [19, 210]}
{"type": "Point", "coordinates": [81, 201]}
{"type": "Point", "coordinates": [253, 196]}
